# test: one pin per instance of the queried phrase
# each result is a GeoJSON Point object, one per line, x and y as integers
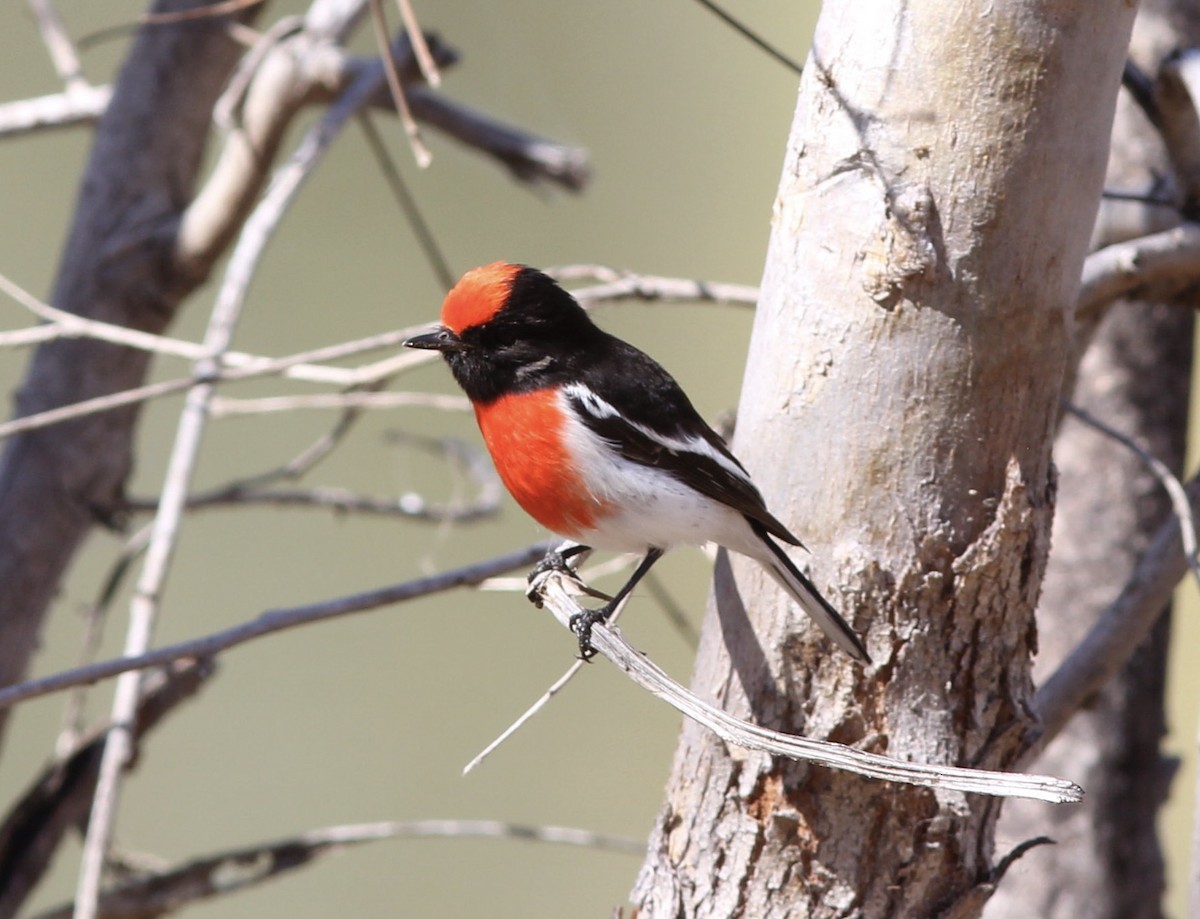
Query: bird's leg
{"type": "Point", "coordinates": [581, 623]}
{"type": "Point", "coordinates": [556, 560]}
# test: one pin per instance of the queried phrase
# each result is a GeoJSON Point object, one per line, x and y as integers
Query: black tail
{"type": "Point", "coordinates": [801, 588]}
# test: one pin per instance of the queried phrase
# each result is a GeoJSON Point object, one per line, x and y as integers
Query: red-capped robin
{"type": "Point", "coordinates": [598, 443]}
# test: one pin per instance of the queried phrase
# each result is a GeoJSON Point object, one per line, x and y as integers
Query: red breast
{"type": "Point", "coordinates": [524, 432]}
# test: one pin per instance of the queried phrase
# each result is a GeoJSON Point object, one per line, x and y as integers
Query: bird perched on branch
{"type": "Point", "coordinates": [598, 443]}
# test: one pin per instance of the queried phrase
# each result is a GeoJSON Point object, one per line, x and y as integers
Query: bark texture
{"type": "Point", "coordinates": [118, 266]}
{"type": "Point", "coordinates": [900, 401]}
{"type": "Point", "coordinates": [1135, 376]}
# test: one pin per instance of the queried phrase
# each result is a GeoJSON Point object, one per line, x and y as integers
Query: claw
{"type": "Point", "coordinates": [581, 624]}
{"type": "Point", "coordinates": [556, 560]}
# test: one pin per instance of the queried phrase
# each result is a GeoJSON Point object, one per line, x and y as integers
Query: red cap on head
{"type": "Point", "coordinates": [478, 296]}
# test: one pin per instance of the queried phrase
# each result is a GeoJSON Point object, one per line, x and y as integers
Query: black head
{"type": "Point", "coordinates": [509, 328]}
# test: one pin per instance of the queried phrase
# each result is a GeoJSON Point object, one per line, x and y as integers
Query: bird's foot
{"type": "Point", "coordinates": [581, 624]}
{"type": "Point", "coordinates": [557, 561]}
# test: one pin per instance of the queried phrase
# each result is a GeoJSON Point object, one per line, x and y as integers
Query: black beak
{"type": "Point", "coordinates": [441, 340]}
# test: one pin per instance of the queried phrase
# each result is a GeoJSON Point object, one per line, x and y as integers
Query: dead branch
{"type": "Point", "coordinates": [529, 158]}
{"type": "Point", "coordinates": [145, 605]}
{"type": "Point", "coordinates": [552, 590]}
{"type": "Point", "coordinates": [1168, 258]}
{"type": "Point", "coordinates": [274, 621]}
{"type": "Point", "coordinates": [1118, 631]}
{"type": "Point", "coordinates": [60, 798]}
{"type": "Point", "coordinates": [226, 872]}
{"type": "Point", "coordinates": [58, 44]}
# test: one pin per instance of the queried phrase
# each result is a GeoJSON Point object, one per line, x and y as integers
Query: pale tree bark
{"type": "Point", "coordinates": [900, 401]}
{"type": "Point", "coordinates": [1135, 376]}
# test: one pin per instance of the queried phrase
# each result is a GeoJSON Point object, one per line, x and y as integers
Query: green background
{"type": "Point", "coordinates": [372, 717]}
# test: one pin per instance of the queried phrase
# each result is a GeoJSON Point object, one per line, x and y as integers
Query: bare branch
{"type": "Point", "coordinates": [82, 105]}
{"type": "Point", "coordinates": [223, 406]}
{"type": "Point", "coordinates": [753, 37]}
{"type": "Point", "coordinates": [294, 68]}
{"type": "Point", "coordinates": [144, 606]}
{"type": "Point", "coordinates": [59, 798]}
{"type": "Point", "coordinates": [410, 505]}
{"type": "Point", "coordinates": [542, 701]}
{"type": "Point", "coordinates": [64, 325]}
{"type": "Point", "coordinates": [529, 158]}
{"type": "Point", "coordinates": [254, 367]}
{"type": "Point", "coordinates": [408, 203]}
{"type": "Point", "coordinates": [273, 621]}
{"type": "Point", "coordinates": [1118, 631]}
{"type": "Point", "coordinates": [429, 67]}
{"type": "Point", "coordinates": [552, 590]}
{"type": "Point", "coordinates": [1166, 478]}
{"type": "Point", "coordinates": [58, 43]}
{"type": "Point", "coordinates": [420, 152]}
{"type": "Point", "coordinates": [626, 285]}
{"type": "Point", "coordinates": [1171, 257]}
{"type": "Point", "coordinates": [226, 872]}
{"type": "Point", "coordinates": [1177, 90]}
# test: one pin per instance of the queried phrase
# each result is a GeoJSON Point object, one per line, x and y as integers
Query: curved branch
{"type": "Point", "coordinates": [225, 872]}
{"type": "Point", "coordinates": [273, 621]}
{"type": "Point", "coordinates": [1118, 631]}
{"type": "Point", "coordinates": [1170, 257]}
{"type": "Point", "coordinates": [551, 589]}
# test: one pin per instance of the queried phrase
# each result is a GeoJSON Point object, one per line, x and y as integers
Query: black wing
{"type": "Point", "coordinates": [627, 398]}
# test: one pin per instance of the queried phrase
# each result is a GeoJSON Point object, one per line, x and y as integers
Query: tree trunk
{"type": "Point", "coordinates": [909, 347]}
{"type": "Point", "coordinates": [1135, 376]}
{"type": "Point", "coordinates": [118, 267]}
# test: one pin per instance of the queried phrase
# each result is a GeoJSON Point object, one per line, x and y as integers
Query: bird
{"type": "Point", "coordinates": [599, 444]}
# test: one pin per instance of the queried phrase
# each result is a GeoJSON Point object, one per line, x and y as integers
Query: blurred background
{"type": "Point", "coordinates": [372, 717]}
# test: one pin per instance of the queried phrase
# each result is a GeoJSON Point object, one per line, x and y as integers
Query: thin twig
{"type": "Point", "coordinates": [410, 505]}
{"type": "Point", "coordinates": [308, 458]}
{"type": "Point", "coordinates": [181, 464]}
{"type": "Point", "coordinates": [303, 366]}
{"type": "Point", "coordinates": [552, 588]}
{"type": "Point", "coordinates": [273, 621]}
{"type": "Point", "coordinates": [528, 157]}
{"type": "Point", "coordinates": [627, 285]}
{"type": "Point", "coordinates": [542, 701]}
{"type": "Point", "coordinates": [93, 406]}
{"type": "Point", "coordinates": [554, 689]}
{"type": "Point", "coordinates": [259, 367]}
{"type": "Point", "coordinates": [58, 43]}
{"type": "Point", "coordinates": [226, 406]}
{"type": "Point", "coordinates": [420, 152]}
{"type": "Point", "coordinates": [1166, 478]}
{"type": "Point", "coordinates": [1117, 632]}
{"type": "Point", "coordinates": [408, 203]}
{"type": "Point", "coordinates": [676, 615]}
{"type": "Point", "coordinates": [757, 40]}
{"type": "Point", "coordinates": [429, 68]}
{"type": "Point", "coordinates": [56, 802]}
{"type": "Point", "coordinates": [225, 872]}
